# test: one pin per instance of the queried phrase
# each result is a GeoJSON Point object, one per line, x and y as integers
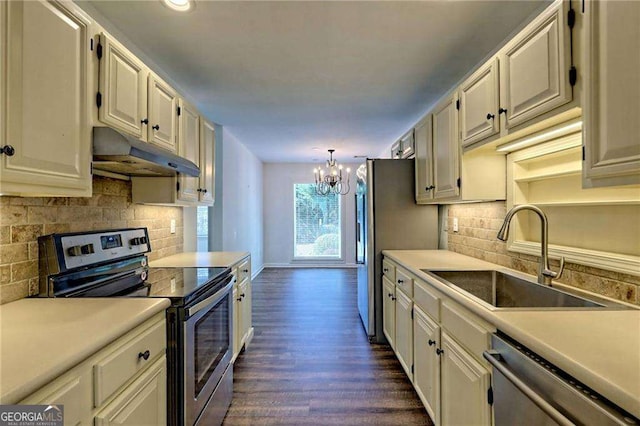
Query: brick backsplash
{"type": "Point", "coordinates": [23, 220]}
{"type": "Point", "coordinates": [478, 225]}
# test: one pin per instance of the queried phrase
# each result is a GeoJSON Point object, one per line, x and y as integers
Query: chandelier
{"type": "Point", "coordinates": [330, 181]}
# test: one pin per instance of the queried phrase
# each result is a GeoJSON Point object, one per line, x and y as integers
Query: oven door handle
{"type": "Point", "coordinates": [209, 300]}
{"type": "Point", "coordinates": [495, 359]}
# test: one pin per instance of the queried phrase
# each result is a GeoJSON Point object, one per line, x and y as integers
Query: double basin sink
{"type": "Point", "coordinates": [505, 291]}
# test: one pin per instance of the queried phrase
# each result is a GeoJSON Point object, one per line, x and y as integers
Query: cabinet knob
{"type": "Point", "coordinates": [204, 190]}
{"type": "Point", "coordinates": [393, 298]}
{"type": "Point", "coordinates": [385, 270]}
{"type": "Point", "coordinates": [490, 116]}
{"type": "Point", "coordinates": [502, 110]}
{"type": "Point", "coordinates": [239, 299]}
{"type": "Point", "coordinates": [432, 342]}
{"type": "Point", "coordinates": [7, 150]}
{"type": "Point", "coordinates": [156, 127]}
{"type": "Point", "coordinates": [144, 121]}
{"type": "Point", "coordinates": [389, 295]}
{"type": "Point", "coordinates": [429, 188]}
{"type": "Point", "coordinates": [145, 355]}
{"type": "Point", "coordinates": [242, 295]}
{"type": "Point", "coordinates": [199, 189]}
{"type": "Point", "coordinates": [246, 271]}
{"type": "Point", "coordinates": [439, 351]}
{"type": "Point", "coordinates": [400, 281]}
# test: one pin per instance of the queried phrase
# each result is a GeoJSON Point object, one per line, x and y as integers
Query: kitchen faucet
{"type": "Point", "coordinates": [545, 274]}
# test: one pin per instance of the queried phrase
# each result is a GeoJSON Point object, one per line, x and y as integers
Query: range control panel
{"type": "Point", "coordinates": [90, 248]}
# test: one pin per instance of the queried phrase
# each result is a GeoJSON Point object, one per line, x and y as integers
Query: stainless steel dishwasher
{"type": "Point", "coordinates": [528, 390]}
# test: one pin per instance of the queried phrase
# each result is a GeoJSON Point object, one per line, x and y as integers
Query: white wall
{"type": "Point", "coordinates": [279, 216]}
{"type": "Point", "coordinates": [242, 201]}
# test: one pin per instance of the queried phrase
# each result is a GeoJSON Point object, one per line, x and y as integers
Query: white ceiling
{"type": "Point", "coordinates": [285, 77]}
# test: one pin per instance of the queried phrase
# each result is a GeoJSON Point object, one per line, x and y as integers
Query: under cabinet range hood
{"type": "Point", "coordinates": [123, 154]}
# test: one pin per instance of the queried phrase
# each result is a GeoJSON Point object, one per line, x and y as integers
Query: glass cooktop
{"type": "Point", "coordinates": [185, 284]}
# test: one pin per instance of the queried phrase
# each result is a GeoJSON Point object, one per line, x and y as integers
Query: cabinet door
{"type": "Point", "coordinates": [611, 87]}
{"type": "Point", "coordinates": [404, 331]}
{"type": "Point", "coordinates": [189, 148]}
{"type": "Point", "coordinates": [424, 160]}
{"type": "Point", "coordinates": [163, 104]}
{"type": "Point", "coordinates": [465, 383]}
{"type": "Point", "coordinates": [71, 391]}
{"type": "Point", "coordinates": [396, 150]}
{"type": "Point", "coordinates": [446, 163]}
{"type": "Point", "coordinates": [479, 104]}
{"type": "Point", "coordinates": [245, 293]}
{"type": "Point", "coordinates": [534, 67]}
{"type": "Point", "coordinates": [123, 85]}
{"type": "Point", "coordinates": [389, 311]}
{"type": "Point", "coordinates": [426, 374]}
{"type": "Point", "coordinates": [44, 102]}
{"type": "Point", "coordinates": [407, 145]}
{"type": "Point", "coordinates": [144, 402]}
{"type": "Point", "coordinates": [207, 162]}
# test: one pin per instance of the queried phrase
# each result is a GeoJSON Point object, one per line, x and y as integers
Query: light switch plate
{"type": "Point", "coordinates": [173, 226]}
{"type": "Point", "coordinates": [455, 224]}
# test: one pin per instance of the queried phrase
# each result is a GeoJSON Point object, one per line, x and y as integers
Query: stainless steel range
{"type": "Point", "coordinates": [199, 322]}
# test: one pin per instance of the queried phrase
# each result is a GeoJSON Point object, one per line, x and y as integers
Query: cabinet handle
{"type": "Point", "coordinates": [439, 351]}
{"type": "Point", "coordinates": [502, 110]}
{"type": "Point", "coordinates": [490, 116]}
{"type": "Point", "coordinates": [429, 188]}
{"type": "Point", "coordinates": [145, 121]}
{"type": "Point", "coordinates": [7, 150]}
{"type": "Point", "coordinates": [432, 342]}
{"type": "Point", "coordinates": [156, 127]}
{"type": "Point", "coordinates": [146, 354]}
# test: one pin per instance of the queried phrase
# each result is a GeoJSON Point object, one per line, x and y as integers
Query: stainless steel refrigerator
{"type": "Point", "coordinates": [387, 218]}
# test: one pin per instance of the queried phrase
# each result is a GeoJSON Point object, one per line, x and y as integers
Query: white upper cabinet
{"type": "Point", "coordinates": [207, 162]}
{"type": "Point", "coordinates": [134, 100]}
{"type": "Point", "coordinates": [611, 109]}
{"type": "Point", "coordinates": [189, 148]}
{"type": "Point", "coordinates": [424, 160]}
{"type": "Point", "coordinates": [405, 147]}
{"type": "Point", "coordinates": [446, 165]}
{"type": "Point", "coordinates": [534, 68]}
{"type": "Point", "coordinates": [163, 104]}
{"type": "Point", "coordinates": [479, 104]}
{"type": "Point", "coordinates": [123, 89]}
{"type": "Point", "coordinates": [44, 48]}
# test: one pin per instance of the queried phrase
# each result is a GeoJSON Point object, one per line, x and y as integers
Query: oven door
{"type": "Point", "coordinates": [207, 349]}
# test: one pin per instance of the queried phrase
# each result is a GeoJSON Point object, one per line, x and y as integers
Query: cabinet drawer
{"type": "Point", "coordinates": [116, 368]}
{"type": "Point", "coordinates": [389, 270]}
{"type": "Point", "coordinates": [404, 282]}
{"type": "Point", "coordinates": [469, 330]}
{"type": "Point", "coordinates": [427, 299]}
{"type": "Point", "coordinates": [244, 270]}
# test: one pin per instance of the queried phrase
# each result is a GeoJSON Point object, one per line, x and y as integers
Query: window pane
{"type": "Point", "coordinates": [318, 229]}
{"type": "Point", "coordinates": [202, 228]}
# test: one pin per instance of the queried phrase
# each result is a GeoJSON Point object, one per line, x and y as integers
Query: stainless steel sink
{"type": "Point", "coordinates": [507, 291]}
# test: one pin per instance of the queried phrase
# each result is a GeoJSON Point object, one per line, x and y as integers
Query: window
{"type": "Point", "coordinates": [202, 228]}
{"type": "Point", "coordinates": [317, 223]}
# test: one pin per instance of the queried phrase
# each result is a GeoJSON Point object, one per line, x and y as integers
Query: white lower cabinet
{"type": "Point", "coordinates": [142, 403]}
{"type": "Point", "coordinates": [242, 322]}
{"type": "Point", "coordinates": [389, 311]}
{"type": "Point", "coordinates": [439, 344]}
{"type": "Point", "coordinates": [464, 386]}
{"type": "Point", "coordinates": [426, 374]}
{"type": "Point", "coordinates": [404, 331]}
{"type": "Point", "coordinates": [140, 397]}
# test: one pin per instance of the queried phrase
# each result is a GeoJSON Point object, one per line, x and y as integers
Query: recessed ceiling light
{"type": "Point", "coordinates": [179, 5]}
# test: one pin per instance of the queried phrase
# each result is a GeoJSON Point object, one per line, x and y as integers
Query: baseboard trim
{"type": "Point", "coordinates": [255, 273]}
{"type": "Point", "coordinates": [308, 265]}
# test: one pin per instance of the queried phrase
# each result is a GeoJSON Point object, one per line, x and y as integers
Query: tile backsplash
{"type": "Point", "coordinates": [23, 220]}
{"type": "Point", "coordinates": [478, 225]}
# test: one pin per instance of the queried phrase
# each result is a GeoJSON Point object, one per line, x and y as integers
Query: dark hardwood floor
{"type": "Point", "coordinates": [310, 361]}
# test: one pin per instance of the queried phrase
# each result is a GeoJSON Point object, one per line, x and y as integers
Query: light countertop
{"type": "Point", "coordinates": [601, 348]}
{"type": "Point", "coordinates": [42, 338]}
{"type": "Point", "coordinates": [200, 259]}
